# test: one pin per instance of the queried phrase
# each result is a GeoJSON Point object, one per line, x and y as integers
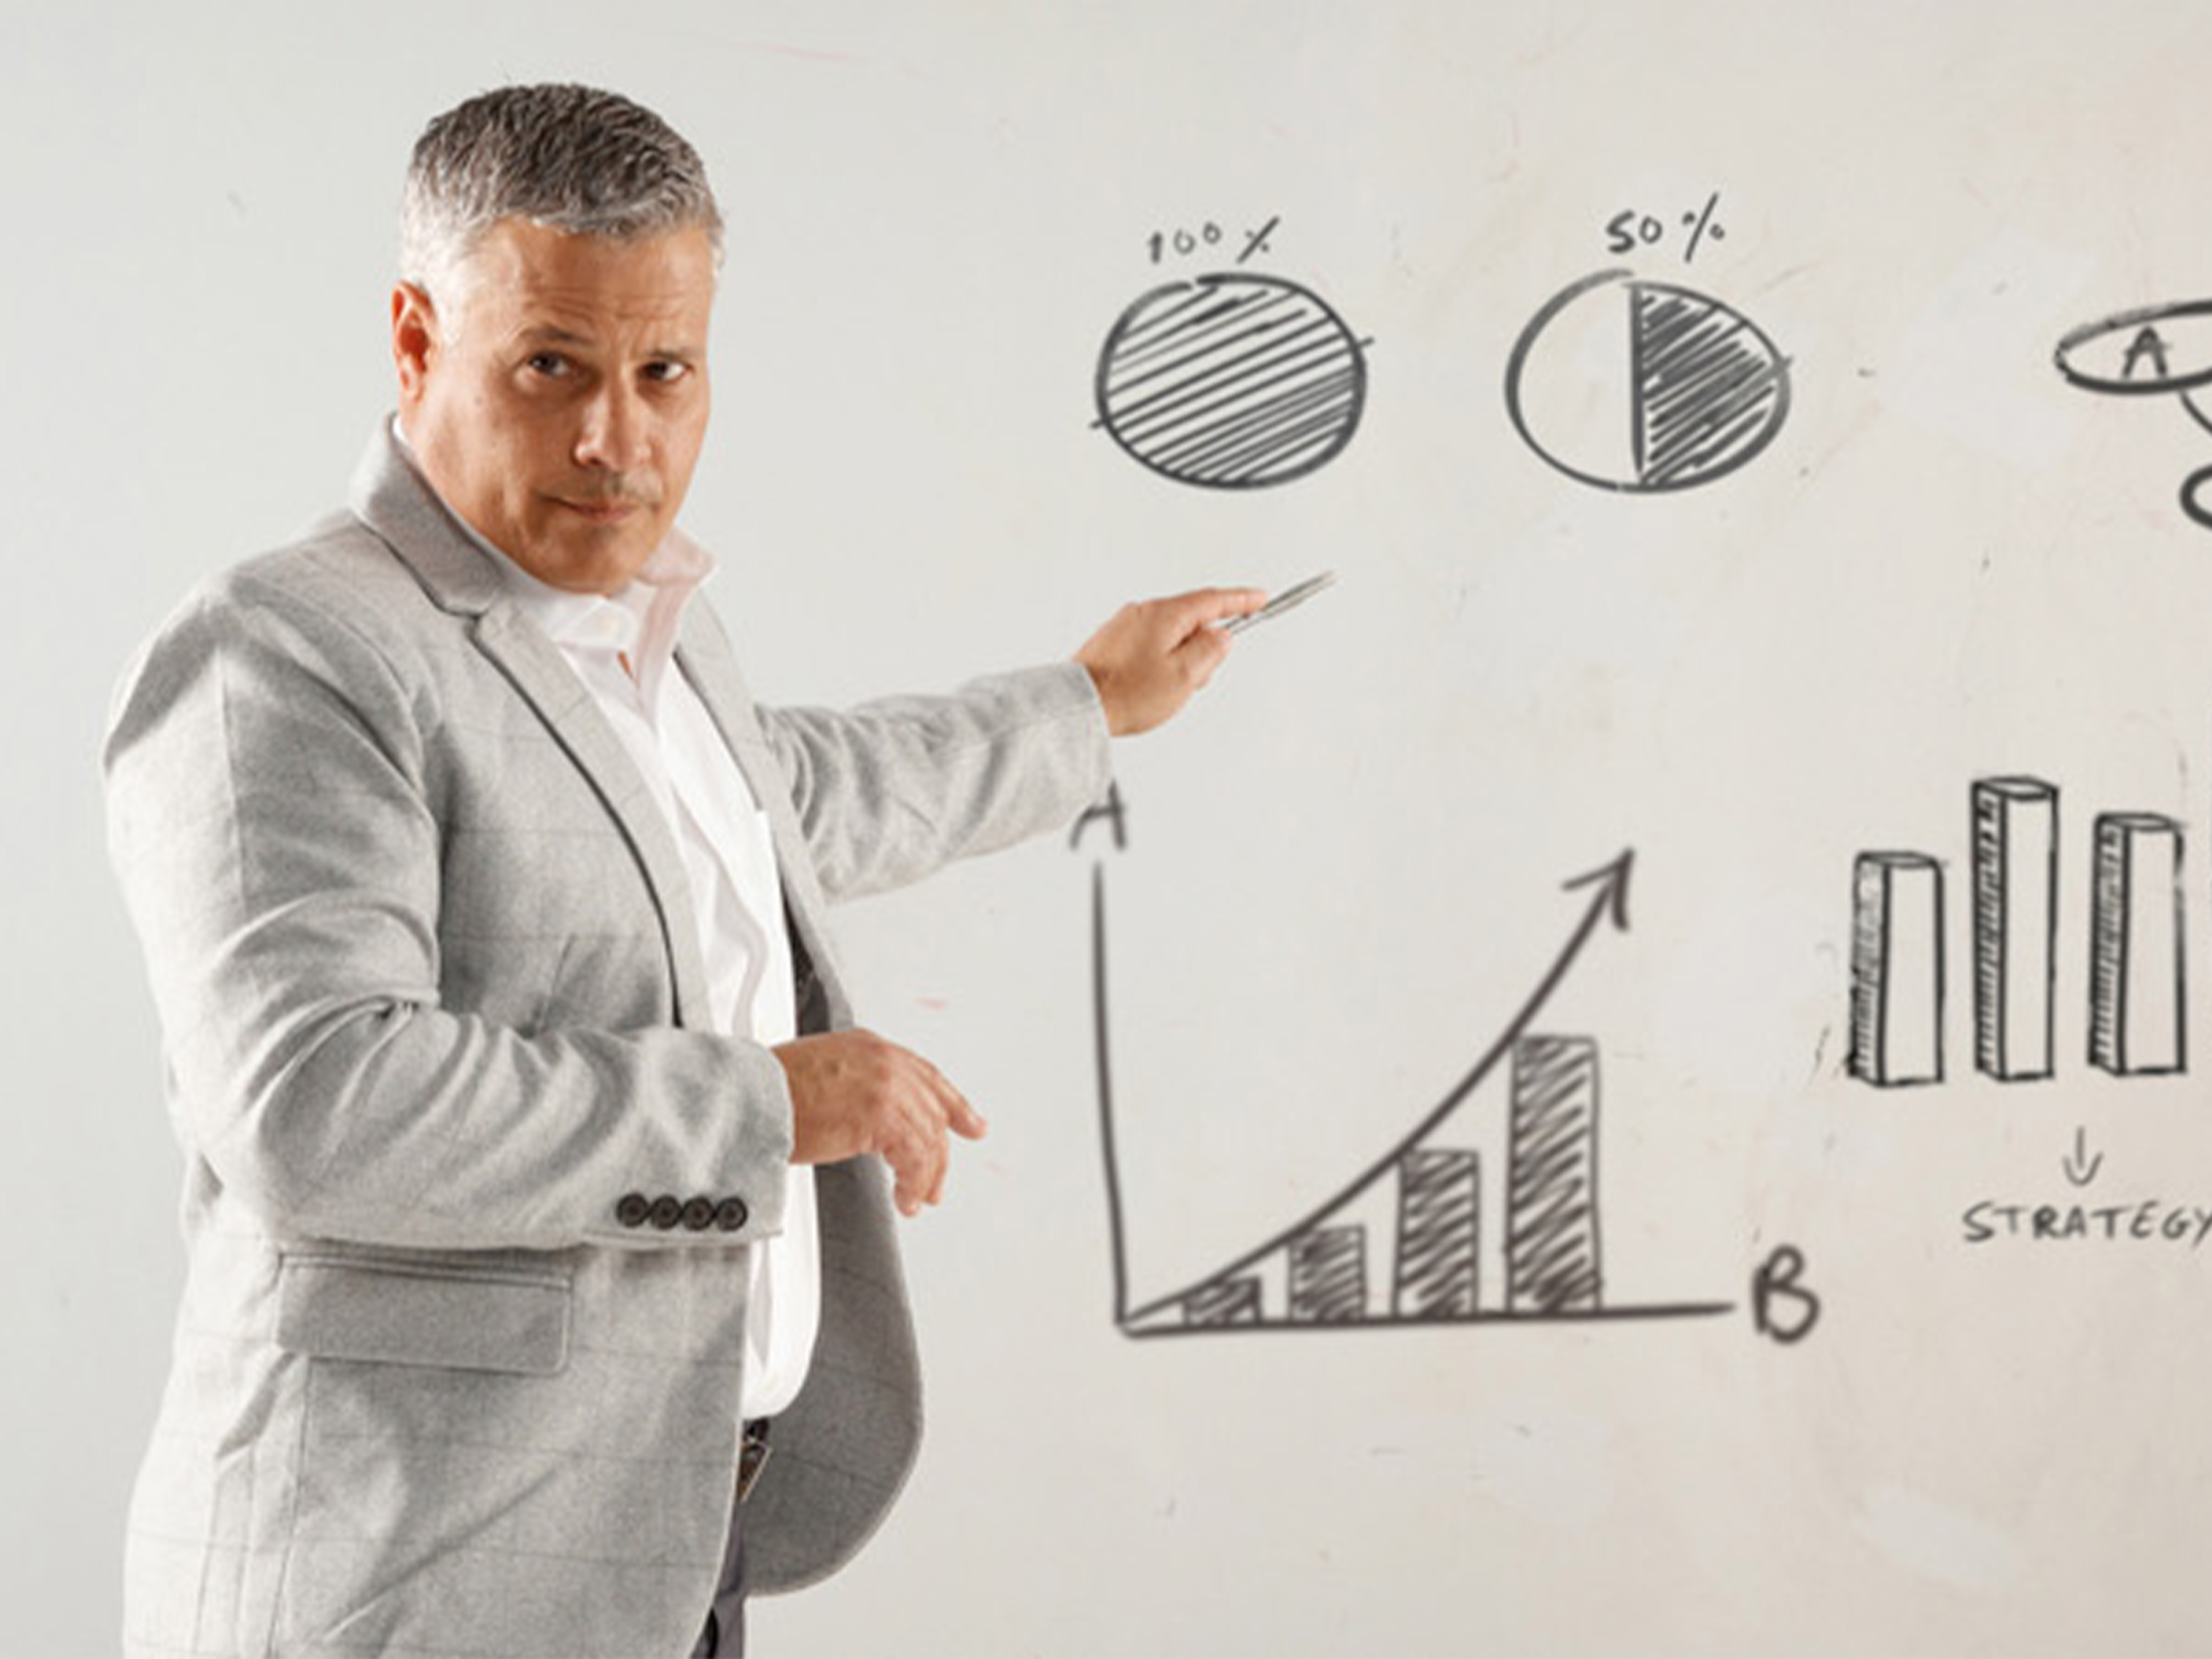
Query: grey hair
{"type": "Point", "coordinates": [570, 158]}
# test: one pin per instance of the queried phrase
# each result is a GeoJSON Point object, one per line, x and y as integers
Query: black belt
{"type": "Point", "coordinates": [752, 1456]}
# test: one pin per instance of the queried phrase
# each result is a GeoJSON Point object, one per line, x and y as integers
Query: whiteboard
{"type": "Point", "coordinates": [1629, 1080]}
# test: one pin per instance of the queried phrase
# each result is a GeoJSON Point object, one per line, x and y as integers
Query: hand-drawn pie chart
{"type": "Point", "coordinates": [1231, 381]}
{"type": "Point", "coordinates": [1641, 386]}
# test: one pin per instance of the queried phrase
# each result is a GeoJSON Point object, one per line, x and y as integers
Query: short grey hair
{"type": "Point", "coordinates": [571, 158]}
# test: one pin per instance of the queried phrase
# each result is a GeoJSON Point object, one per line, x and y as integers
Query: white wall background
{"type": "Point", "coordinates": [1345, 863]}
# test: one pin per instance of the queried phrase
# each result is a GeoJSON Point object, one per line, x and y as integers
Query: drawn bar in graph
{"type": "Point", "coordinates": [2138, 984]}
{"type": "Point", "coordinates": [1439, 1215]}
{"type": "Point", "coordinates": [1329, 1276]}
{"type": "Point", "coordinates": [1233, 1302]}
{"type": "Point", "coordinates": [1897, 970]}
{"type": "Point", "coordinates": [1552, 1242]}
{"type": "Point", "coordinates": [2015, 926]}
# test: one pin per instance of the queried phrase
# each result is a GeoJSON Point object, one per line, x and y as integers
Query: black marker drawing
{"type": "Point", "coordinates": [2138, 984]}
{"type": "Point", "coordinates": [1627, 230]}
{"type": "Point", "coordinates": [1321, 1272]}
{"type": "Point", "coordinates": [1182, 243]}
{"type": "Point", "coordinates": [2064, 1219]}
{"type": "Point", "coordinates": [1783, 1308]}
{"type": "Point", "coordinates": [1231, 381]}
{"type": "Point", "coordinates": [1439, 1273]}
{"type": "Point", "coordinates": [1700, 391]}
{"type": "Point", "coordinates": [1897, 970]}
{"type": "Point", "coordinates": [2015, 927]}
{"type": "Point", "coordinates": [2136, 1017]}
{"type": "Point", "coordinates": [2080, 1166]}
{"type": "Point", "coordinates": [2151, 350]}
{"type": "Point", "coordinates": [1551, 1242]}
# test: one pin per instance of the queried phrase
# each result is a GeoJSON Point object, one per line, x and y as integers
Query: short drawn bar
{"type": "Point", "coordinates": [1897, 970]}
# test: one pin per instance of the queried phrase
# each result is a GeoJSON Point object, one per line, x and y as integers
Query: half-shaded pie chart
{"type": "Point", "coordinates": [1629, 385]}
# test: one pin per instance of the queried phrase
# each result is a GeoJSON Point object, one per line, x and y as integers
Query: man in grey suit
{"type": "Point", "coordinates": [541, 1290]}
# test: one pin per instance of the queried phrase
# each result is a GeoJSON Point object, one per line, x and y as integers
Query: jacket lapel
{"type": "Point", "coordinates": [391, 500]}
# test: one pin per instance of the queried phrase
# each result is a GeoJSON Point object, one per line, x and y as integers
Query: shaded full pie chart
{"type": "Point", "coordinates": [1230, 382]}
{"type": "Point", "coordinates": [1641, 386]}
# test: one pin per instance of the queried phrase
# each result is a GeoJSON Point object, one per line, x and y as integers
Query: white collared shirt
{"type": "Point", "coordinates": [621, 647]}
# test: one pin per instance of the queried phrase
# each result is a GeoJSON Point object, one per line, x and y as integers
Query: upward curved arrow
{"type": "Point", "coordinates": [1608, 901]}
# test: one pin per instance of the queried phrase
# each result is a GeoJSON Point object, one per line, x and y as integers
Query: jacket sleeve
{"type": "Point", "coordinates": [272, 823]}
{"type": "Point", "coordinates": [891, 790]}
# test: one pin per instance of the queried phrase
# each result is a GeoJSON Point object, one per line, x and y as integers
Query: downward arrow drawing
{"type": "Point", "coordinates": [2080, 1168]}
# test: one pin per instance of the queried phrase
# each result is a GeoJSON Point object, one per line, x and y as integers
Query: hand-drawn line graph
{"type": "Point", "coordinates": [2137, 1017]}
{"type": "Point", "coordinates": [1701, 391]}
{"type": "Point", "coordinates": [1318, 1272]}
{"type": "Point", "coordinates": [1231, 381]}
{"type": "Point", "coordinates": [2161, 348]}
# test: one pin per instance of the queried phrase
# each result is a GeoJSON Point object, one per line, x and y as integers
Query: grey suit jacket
{"type": "Point", "coordinates": [427, 980]}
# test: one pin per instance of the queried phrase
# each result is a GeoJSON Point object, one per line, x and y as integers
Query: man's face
{"type": "Point", "coordinates": [558, 397]}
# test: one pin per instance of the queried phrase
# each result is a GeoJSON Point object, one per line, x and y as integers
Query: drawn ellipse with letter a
{"type": "Point", "coordinates": [1644, 386]}
{"type": "Point", "coordinates": [1231, 381]}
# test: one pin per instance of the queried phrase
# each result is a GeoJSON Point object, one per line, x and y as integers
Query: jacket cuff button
{"type": "Point", "coordinates": [731, 1215]}
{"type": "Point", "coordinates": [633, 1209]}
{"type": "Point", "coordinates": [666, 1212]}
{"type": "Point", "coordinates": [699, 1214]}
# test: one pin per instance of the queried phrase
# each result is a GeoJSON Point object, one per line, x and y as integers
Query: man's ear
{"type": "Point", "coordinates": [415, 340]}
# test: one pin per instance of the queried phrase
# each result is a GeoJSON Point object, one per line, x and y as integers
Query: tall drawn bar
{"type": "Point", "coordinates": [1551, 1258]}
{"type": "Point", "coordinates": [2015, 926]}
{"type": "Point", "coordinates": [2138, 984]}
{"type": "Point", "coordinates": [1897, 969]}
{"type": "Point", "coordinates": [1439, 1205]}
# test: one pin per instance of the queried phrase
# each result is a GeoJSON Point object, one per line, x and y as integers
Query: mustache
{"type": "Point", "coordinates": [624, 489]}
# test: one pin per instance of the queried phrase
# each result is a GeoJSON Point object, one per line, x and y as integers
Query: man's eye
{"type": "Point", "coordinates": [550, 363]}
{"type": "Point", "coordinates": [666, 370]}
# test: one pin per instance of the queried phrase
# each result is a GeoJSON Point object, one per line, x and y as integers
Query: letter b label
{"type": "Point", "coordinates": [1781, 1307]}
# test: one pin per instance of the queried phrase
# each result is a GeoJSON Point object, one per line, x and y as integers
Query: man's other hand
{"type": "Point", "coordinates": [853, 1092]}
{"type": "Point", "coordinates": [1150, 656]}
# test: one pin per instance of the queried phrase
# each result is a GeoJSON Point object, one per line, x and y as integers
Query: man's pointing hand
{"type": "Point", "coordinates": [1152, 656]}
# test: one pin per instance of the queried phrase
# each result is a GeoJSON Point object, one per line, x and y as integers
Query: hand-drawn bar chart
{"type": "Point", "coordinates": [2136, 1019]}
{"type": "Point", "coordinates": [1402, 1243]}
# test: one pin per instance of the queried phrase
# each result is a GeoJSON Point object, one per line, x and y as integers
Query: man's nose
{"type": "Point", "coordinates": [615, 433]}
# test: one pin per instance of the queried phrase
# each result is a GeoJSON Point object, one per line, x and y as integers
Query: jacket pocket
{"type": "Point", "coordinates": [491, 1318]}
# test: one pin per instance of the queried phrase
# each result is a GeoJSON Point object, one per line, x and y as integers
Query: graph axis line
{"type": "Point", "coordinates": [1624, 1314]}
